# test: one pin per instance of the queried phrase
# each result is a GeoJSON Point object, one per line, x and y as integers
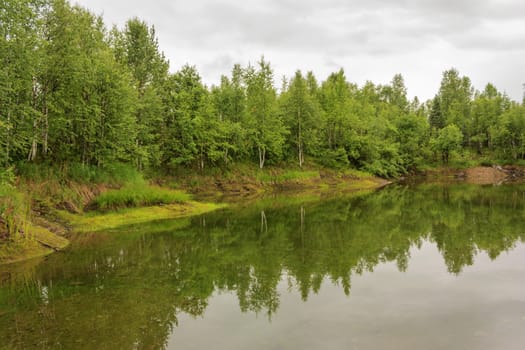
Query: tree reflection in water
{"type": "Point", "coordinates": [125, 289]}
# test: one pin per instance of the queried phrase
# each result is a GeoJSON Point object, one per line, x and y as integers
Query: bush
{"type": "Point", "coordinates": [7, 176]}
{"type": "Point", "coordinates": [337, 159]}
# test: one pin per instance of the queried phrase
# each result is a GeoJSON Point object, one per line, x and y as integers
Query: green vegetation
{"type": "Point", "coordinates": [84, 109]}
{"type": "Point", "coordinates": [78, 104]}
{"type": "Point", "coordinates": [14, 210]}
{"type": "Point", "coordinates": [93, 222]}
{"type": "Point", "coordinates": [116, 174]}
{"type": "Point", "coordinates": [136, 196]}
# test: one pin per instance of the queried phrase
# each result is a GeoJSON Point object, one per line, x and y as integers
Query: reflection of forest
{"type": "Point", "coordinates": [127, 292]}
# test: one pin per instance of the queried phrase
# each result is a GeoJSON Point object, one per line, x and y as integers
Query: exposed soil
{"type": "Point", "coordinates": [251, 187]}
{"type": "Point", "coordinates": [477, 175]}
{"type": "Point", "coordinates": [485, 175]}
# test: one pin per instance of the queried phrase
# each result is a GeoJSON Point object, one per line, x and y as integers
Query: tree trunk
{"type": "Point", "coordinates": [8, 139]}
{"type": "Point", "coordinates": [301, 155]}
{"type": "Point", "coordinates": [226, 156]}
{"type": "Point", "coordinates": [300, 140]}
{"type": "Point", "coordinates": [34, 146]}
{"type": "Point", "coordinates": [45, 131]}
{"type": "Point", "coordinates": [201, 160]}
{"type": "Point", "coordinates": [262, 156]}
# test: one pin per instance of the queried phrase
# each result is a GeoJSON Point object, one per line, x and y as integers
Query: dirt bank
{"type": "Point", "coordinates": [253, 185]}
{"type": "Point", "coordinates": [481, 175]}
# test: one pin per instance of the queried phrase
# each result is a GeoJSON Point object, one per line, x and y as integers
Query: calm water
{"type": "Point", "coordinates": [430, 267]}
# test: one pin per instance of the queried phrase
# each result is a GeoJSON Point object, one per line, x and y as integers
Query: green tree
{"type": "Point", "coordinates": [263, 124]}
{"type": "Point", "coordinates": [487, 108]}
{"type": "Point", "coordinates": [448, 139]}
{"type": "Point", "coordinates": [137, 47]}
{"type": "Point", "coordinates": [86, 97]}
{"type": "Point", "coordinates": [301, 112]}
{"type": "Point", "coordinates": [509, 134]}
{"type": "Point", "coordinates": [229, 103]}
{"type": "Point", "coordinates": [435, 117]}
{"type": "Point", "coordinates": [455, 95]}
{"type": "Point", "coordinates": [20, 61]}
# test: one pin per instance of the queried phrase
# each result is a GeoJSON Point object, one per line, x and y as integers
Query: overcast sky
{"type": "Point", "coordinates": [371, 40]}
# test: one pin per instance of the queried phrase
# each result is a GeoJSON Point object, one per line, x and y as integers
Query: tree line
{"type": "Point", "coordinates": [72, 90]}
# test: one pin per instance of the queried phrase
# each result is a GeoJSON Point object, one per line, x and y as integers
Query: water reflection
{"type": "Point", "coordinates": [128, 290]}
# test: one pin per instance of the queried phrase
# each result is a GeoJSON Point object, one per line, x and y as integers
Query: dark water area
{"type": "Point", "coordinates": [405, 267]}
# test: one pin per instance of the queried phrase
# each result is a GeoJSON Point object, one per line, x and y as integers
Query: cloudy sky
{"type": "Point", "coordinates": [371, 40]}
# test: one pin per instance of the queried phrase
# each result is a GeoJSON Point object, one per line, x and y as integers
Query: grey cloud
{"type": "Point", "coordinates": [335, 27]}
{"type": "Point", "coordinates": [210, 33]}
{"type": "Point", "coordinates": [219, 65]}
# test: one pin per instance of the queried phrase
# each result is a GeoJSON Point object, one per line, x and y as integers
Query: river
{"type": "Point", "coordinates": [404, 267]}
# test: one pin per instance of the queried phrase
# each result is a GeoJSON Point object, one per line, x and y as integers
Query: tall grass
{"type": "Point", "coordinates": [111, 174]}
{"type": "Point", "coordinates": [135, 195]}
{"type": "Point", "coordinates": [14, 208]}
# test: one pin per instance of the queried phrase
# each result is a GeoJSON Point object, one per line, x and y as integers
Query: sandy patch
{"type": "Point", "coordinates": [485, 175]}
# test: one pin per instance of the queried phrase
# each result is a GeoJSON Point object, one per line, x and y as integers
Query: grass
{"type": "Point", "coordinates": [356, 173]}
{"type": "Point", "coordinates": [14, 211]}
{"type": "Point", "coordinates": [138, 195]}
{"type": "Point", "coordinates": [112, 174]}
{"type": "Point", "coordinates": [361, 184]}
{"type": "Point", "coordinates": [93, 222]}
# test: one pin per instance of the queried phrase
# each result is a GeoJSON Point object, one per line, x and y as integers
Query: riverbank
{"type": "Point", "coordinates": [477, 175]}
{"type": "Point", "coordinates": [36, 241]}
{"type": "Point", "coordinates": [59, 208]}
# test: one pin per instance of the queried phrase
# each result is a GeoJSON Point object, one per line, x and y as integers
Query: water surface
{"type": "Point", "coordinates": [434, 267]}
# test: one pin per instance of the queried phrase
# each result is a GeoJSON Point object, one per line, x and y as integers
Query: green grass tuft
{"type": "Point", "coordinates": [138, 195]}
{"type": "Point", "coordinates": [14, 212]}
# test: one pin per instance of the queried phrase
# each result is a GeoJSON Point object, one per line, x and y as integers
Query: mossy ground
{"type": "Point", "coordinates": [39, 242]}
{"type": "Point", "coordinates": [95, 221]}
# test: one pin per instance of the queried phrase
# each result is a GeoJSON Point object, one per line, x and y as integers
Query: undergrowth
{"type": "Point", "coordinates": [14, 208]}
{"type": "Point", "coordinates": [111, 174]}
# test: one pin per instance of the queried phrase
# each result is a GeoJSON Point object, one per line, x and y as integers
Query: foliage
{"type": "Point", "coordinates": [78, 98]}
{"type": "Point", "coordinates": [448, 140]}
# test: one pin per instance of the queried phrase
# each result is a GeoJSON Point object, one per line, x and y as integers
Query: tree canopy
{"type": "Point", "coordinates": [73, 91]}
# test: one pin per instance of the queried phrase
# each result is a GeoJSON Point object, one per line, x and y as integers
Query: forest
{"type": "Point", "coordinates": [73, 91]}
